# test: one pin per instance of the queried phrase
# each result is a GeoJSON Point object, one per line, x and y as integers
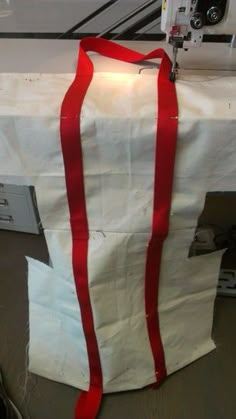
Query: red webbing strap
{"type": "Point", "coordinates": [88, 404]}
{"type": "Point", "coordinates": [167, 130]}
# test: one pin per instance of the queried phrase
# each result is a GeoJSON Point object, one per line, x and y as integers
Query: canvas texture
{"type": "Point", "coordinates": [118, 131]}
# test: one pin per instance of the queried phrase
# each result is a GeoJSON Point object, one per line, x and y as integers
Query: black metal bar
{"type": "Point", "coordinates": [217, 38]}
{"type": "Point", "coordinates": [73, 36]}
{"type": "Point", "coordinates": [77, 36]}
{"type": "Point", "coordinates": [150, 17]}
{"type": "Point", "coordinates": [88, 18]}
{"type": "Point", "coordinates": [135, 12]}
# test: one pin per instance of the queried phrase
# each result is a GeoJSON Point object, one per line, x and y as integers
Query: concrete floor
{"type": "Point", "coordinates": [203, 390]}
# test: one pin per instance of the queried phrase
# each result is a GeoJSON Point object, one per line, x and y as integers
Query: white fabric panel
{"type": "Point", "coordinates": [121, 326]}
{"type": "Point", "coordinates": [118, 156]}
{"type": "Point", "coordinates": [186, 300]}
{"type": "Point", "coordinates": [206, 153]}
{"type": "Point", "coordinates": [116, 269]}
{"type": "Point", "coordinates": [118, 127]}
{"type": "Point", "coordinates": [187, 293]}
{"type": "Point", "coordinates": [119, 171]}
{"type": "Point", "coordinates": [30, 146]}
{"type": "Point", "coordinates": [57, 347]}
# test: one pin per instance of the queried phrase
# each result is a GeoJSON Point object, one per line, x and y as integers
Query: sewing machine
{"type": "Point", "coordinates": [186, 21]}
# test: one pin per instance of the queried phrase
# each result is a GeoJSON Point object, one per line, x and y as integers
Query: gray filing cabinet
{"type": "Point", "coordinates": [18, 209]}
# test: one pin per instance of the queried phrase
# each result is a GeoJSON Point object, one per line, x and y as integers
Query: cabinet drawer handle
{"type": "Point", "coordinates": [6, 219]}
{"type": "Point", "coordinates": [3, 203]}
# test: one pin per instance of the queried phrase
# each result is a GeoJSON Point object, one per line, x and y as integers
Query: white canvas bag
{"type": "Point", "coordinates": [118, 127]}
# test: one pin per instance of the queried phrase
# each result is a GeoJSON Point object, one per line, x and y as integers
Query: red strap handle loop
{"type": "Point", "coordinates": [167, 125]}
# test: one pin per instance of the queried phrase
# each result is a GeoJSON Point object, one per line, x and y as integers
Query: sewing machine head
{"type": "Point", "coordinates": [186, 21]}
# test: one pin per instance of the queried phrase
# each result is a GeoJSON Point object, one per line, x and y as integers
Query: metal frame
{"type": "Point", "coordinates": [131, 32]}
